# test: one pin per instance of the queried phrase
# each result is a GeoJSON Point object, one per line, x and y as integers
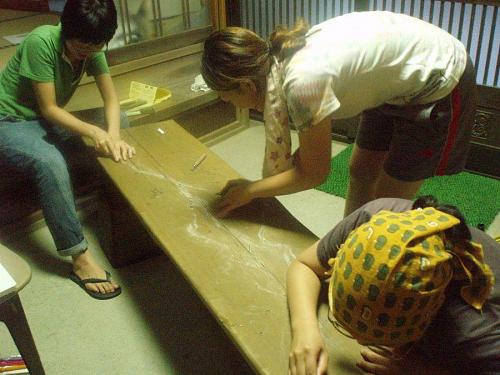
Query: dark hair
{"type": "Point", "coordinates": [458, 235]}
{"type": "Point", "coordinates": [89, 21]}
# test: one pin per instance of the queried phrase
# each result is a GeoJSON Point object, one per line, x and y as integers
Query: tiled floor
{"type": "Point", "coordinates": [151, 329]}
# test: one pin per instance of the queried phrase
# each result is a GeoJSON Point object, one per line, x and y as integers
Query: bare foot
{"type": "Point", "coordinates": [85, 267]}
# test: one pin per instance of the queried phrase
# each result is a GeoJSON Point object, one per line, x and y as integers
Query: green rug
{"type": "Point", "coordinates": [476, 196]}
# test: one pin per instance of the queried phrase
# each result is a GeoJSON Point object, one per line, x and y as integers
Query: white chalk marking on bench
{"type": "Point", "coordinates": [264, 243]}
{"type": "Point", "coordinates": [231, 257]}
{"type": "Point", "coordinates": [194, 230]}
{"type": "Point", "coordinates": [288, 253]}
{"type": "Point", "coordinates": [180, 185]}
{"type": "Point", "coordinates": [243, 239]}
{"type": "Point", "coordinates": [202, 207]}
{"type": "Point", "coordinates": [196, 202]}
{"type": "Point", "coordinates": [135, 168]}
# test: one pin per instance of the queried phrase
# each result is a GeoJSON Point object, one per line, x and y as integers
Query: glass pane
{"type": "Point", "coordinates": [141, 20]}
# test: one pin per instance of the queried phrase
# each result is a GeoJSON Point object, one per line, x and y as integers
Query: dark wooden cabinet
{"type": "Point", "coordinates": [484, 155]}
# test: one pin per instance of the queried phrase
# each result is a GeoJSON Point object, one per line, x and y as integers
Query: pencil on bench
{"type": "Point", "coordinates": [198, 162]}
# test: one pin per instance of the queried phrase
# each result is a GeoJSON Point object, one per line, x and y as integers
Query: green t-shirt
{"type": "Point", "coordinates": [40, 58]}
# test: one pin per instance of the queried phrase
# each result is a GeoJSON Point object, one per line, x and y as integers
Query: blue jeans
{"type": "Point", "coordinates": [35, 149]}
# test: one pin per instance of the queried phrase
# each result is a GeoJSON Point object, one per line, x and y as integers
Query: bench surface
{"type": "Point", "coordinates": [237, 265]}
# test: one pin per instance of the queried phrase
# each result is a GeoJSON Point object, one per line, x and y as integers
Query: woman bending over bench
{"type": "Point", "coordinates": [412, 82]}
{"type": "Point", "coordinates": [35, 128]}
{"type": "Point", "coordinates": [412, 282]}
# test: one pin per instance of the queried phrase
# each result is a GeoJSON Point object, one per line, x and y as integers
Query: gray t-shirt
{"type": "Point", "coordinates": [460, 337]}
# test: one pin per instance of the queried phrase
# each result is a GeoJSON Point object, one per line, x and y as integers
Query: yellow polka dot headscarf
{"type": "Point", "coordinates": [389, 277]}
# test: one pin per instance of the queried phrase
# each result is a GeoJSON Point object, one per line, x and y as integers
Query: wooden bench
{"type": "Point", "coordinates": [237, 265]}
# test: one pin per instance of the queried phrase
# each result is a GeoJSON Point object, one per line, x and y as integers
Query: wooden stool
{"type": "Point", "coordinates": [12, 312]}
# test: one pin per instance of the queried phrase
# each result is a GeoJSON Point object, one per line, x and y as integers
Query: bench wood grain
{"type": "Point", "coordinates": [237, 265]}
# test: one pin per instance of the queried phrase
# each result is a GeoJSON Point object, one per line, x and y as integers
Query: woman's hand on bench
{"type": "Point", "coordinates": [308, 353]}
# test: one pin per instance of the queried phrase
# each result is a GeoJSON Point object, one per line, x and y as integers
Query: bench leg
{"type": "Point", "coordinates": [12, 314]}
{"type": "Point", "coordinates": [122, 236]}
{"type": "Point", "coordinates": [243, 116]}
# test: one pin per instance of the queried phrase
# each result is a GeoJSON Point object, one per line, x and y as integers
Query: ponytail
{"type": "Point", "coordinates": [284, 42]}
{"type": "Point", "coordinates": [458, 235]}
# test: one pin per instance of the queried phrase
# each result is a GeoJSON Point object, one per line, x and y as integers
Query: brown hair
{"type": "Point", "coordinates": [234, 54]}
{"type": "Point", "coordinates": [285, 42]}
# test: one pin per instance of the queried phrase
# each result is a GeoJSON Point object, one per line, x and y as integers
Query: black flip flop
{"type": "Point", "coordinates": [82, 282]}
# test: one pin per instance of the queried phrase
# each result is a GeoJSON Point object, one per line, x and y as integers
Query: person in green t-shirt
{"type": "Point", "coordinates": [35, 129]}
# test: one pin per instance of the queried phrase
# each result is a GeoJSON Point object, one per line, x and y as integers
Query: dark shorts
{"type": "Point", "coordinates": [423, 140]}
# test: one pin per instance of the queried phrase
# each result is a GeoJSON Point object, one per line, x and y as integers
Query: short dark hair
{"type": "Point", "coordinates": [89, 21]}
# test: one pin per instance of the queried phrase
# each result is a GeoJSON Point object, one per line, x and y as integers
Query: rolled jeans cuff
{"type": "Point", "coordinates": [74, 250]}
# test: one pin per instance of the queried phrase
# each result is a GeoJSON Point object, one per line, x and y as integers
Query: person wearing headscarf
{"type": "Point", "coordinates": [411, 282]}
